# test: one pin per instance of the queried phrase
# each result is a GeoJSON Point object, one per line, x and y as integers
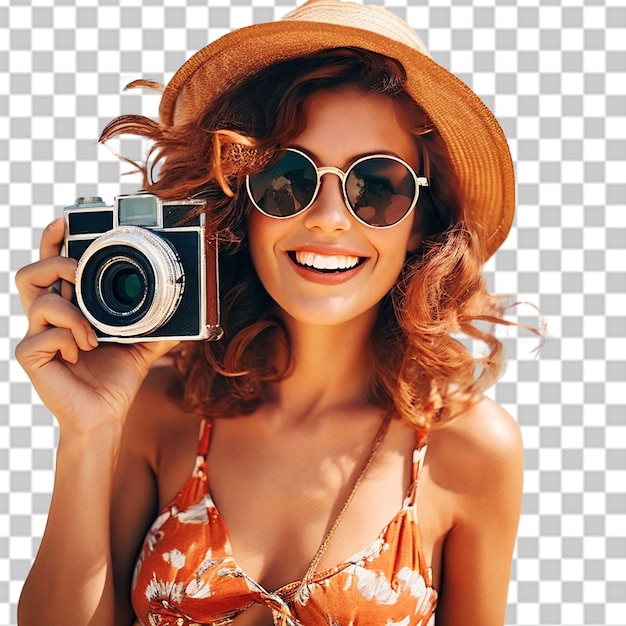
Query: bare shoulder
{"type": "Point", "coordinates": [478, 456]}
{"type": "Point", "coordinates": [154, 419]}
{"type": "Point", "coordinates": [485, 428]}
{"type": "Point", "coordinates": [156, 416]}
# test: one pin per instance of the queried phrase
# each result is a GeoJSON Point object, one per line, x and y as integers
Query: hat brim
{"type": "Point", "coordinates": [476, 143]}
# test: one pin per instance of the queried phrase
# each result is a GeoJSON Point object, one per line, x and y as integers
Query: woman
{"type": "Point", "coordinates": [272, 477]}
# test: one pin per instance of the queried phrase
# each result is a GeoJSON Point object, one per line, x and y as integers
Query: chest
{"type": "Point", "coordinates": [279, 496]}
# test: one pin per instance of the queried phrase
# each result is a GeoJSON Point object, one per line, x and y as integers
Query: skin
{"type": "Point", "coordinates": [125, 449]}
{"type": "Point", "coordinates": [328, 228]}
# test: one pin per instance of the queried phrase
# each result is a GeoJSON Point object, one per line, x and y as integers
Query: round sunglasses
{"type": "Point", "coordinates": [380, 190]}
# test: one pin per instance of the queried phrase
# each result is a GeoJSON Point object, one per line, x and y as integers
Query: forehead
{"type": "Point", "coordinates": [345, 124]}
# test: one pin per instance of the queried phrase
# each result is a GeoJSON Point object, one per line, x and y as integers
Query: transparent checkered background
{"type": "Point", "coordinates": [555, 75]}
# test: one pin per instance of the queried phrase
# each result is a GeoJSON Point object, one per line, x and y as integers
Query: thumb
{"type": "Point", "coordinates": [151, 351]}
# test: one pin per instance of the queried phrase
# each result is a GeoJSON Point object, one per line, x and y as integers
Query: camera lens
{"type": "Point", "coordinates": [129, 282]}
{"type": "Point", "coordinates": [123, 285]}
{"type": "Point", "coordinates": [126, 287]}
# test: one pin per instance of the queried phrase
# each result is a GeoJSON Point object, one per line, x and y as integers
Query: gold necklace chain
{"type": "Point", "coordinates": [378, 439]}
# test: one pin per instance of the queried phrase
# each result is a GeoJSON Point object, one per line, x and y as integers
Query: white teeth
{"type": "Point", "coordinates": [323, 262]}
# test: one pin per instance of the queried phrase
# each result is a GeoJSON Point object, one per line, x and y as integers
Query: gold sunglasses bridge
{"type": "Point", "coordinates": [330, 170]}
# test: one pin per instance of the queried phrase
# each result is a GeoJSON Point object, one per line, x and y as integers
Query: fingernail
{"type": "Point", "coordinates": [91, 337]}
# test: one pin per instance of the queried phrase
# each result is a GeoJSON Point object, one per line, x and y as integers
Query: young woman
{"type": "Point", "coordinates": [331, 459]}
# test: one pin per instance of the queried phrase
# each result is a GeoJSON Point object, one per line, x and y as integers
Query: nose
{"type": "Point", "coordinates": [329, 212]}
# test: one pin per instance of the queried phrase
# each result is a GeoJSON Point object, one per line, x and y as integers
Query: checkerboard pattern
{"type": "Point", "coordinates": [554, 73]}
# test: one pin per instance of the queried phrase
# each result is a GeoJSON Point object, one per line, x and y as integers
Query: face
{"type": "Point", "coordinates": [323, 266]}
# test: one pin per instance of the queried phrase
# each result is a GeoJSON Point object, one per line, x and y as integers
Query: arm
{"type": "Point", "coordinates": [135, 505]}
{"type": "Point", "coordinates": [71, 576]}
{"type": "Point", "coordinates": [485, 473]}
{"type": "Point", "coordinates": [89, 389]}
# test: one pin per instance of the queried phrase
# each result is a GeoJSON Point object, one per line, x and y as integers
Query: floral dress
{"type": "Point", "coordinates": [186, 574]}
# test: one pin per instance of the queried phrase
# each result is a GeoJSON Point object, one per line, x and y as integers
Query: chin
{"type": "Point", "coordinates": [330, 315]}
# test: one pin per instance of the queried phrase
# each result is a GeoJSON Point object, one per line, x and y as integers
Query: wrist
{"type": "Point", "coordinates": [96, 445]}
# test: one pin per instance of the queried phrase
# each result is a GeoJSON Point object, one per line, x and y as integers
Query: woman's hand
{"type": "Point", "coordinates": [83, 384]}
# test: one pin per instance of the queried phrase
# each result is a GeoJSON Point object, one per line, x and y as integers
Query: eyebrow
{"type": "Point", "coordinates": [351, 160]}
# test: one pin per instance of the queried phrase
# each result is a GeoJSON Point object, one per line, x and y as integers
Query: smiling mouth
{"type": "Point", "coordinates": [326, 263]}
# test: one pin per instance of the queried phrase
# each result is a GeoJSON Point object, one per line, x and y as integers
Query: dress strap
{"type": "Point", "coordinates": [204, 438]}
{"type": "Point", "coordinates": [419, 454]}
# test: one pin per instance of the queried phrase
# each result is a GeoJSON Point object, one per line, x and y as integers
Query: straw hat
{"type": "Point", "coordinates": [475, 141]}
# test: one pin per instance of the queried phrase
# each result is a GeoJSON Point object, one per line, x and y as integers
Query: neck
{"type": "Point", "coordinates": [330, 369]}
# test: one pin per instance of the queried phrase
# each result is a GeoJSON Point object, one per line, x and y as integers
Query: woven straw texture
{"type": "Point", "coordinates": [476, 143]}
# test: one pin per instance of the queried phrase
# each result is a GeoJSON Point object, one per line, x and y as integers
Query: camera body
{"type": "Point", "coordinates": [146, 270]}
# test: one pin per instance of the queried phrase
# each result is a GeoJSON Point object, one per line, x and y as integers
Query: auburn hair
{"type": "Point", "coordinates": [421, 367]}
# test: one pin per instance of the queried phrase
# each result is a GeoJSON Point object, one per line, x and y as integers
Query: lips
{"type": "Point", "coordinates": [326, 262]}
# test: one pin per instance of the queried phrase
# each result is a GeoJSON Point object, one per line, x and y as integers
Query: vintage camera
{"type": "Point", "coordinates": [147, 271]}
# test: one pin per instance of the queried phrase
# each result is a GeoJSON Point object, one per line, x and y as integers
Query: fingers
{"type": "Point", "coordinates": [52, 238]}
{"type": "Point", "coordinates": [35, 352]}
{"type": "Point", "coordinates": [34, 280]}
{"type": "Point", "coordinates": [44, 274]}
{"type": "Point", "coordinates": [52, 311]}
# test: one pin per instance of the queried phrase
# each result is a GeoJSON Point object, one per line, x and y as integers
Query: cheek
{"type": "Point", "coordinates": [396, 242]}
{"type": "Point", "coordinates": [416, 234]}
{"type": "Point", "coordinates": [415, 241]}
{"type": "Point", "coordinates": [255, 236]}
{"type": "Point", "coordinates": [392, 251]}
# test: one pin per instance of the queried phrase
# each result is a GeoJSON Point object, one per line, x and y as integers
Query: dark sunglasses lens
{"type": "Point", "coordinates": [380, 190]}
{"type": "Point", "coordinates": [286, 187]}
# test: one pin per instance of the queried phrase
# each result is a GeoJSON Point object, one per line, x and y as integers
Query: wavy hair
{"type": "Point", "coordinates": [422, 369]}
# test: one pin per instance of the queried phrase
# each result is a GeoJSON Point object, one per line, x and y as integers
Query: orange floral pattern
{"type": "Point", "coordinates": [186, 574]}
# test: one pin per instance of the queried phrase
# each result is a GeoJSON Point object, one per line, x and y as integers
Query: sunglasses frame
{"type": "Point", "coordinates": [420, 181]}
